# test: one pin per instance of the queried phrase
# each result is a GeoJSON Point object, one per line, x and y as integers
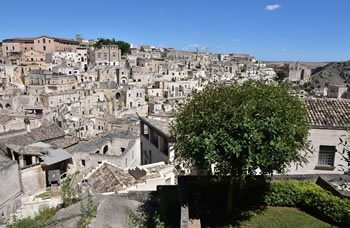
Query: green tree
{"type": "Point", "coordinates": [280, 76]}
{"type": "Point", "coordinates": [123, 46]}
{"type": "Point", "coordinates": [241, 129]}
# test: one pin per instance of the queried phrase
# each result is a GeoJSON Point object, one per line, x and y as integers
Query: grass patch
{"type": "Point", "coordinates": [43, 196]}
{"type": "Point", "coordinates": [38, 221]}
{"type": "Point", "coordinates": [283, 217]}
{"type": "Point", "coordinates": [88, 211]}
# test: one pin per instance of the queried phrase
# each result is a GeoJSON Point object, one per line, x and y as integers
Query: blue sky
{"type": "Point", "coordinates": [300, 30]}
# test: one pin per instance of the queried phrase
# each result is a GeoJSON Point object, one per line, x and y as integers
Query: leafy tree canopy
{"type": "Point", "coordinates": [241, 129]}
{"type": "Point", "coordinates": [280, 76]}
{"type": "Point", "coordinates": [123, 46]}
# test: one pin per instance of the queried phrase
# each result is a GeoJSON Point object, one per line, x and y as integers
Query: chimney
{"type": "Point", "coordinates": [27, 123]}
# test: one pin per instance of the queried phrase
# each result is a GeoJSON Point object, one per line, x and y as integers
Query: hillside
{"type": "Point", "coordinates": [310, 65]}
{"type": "Point", "coordinates": [336, 73]}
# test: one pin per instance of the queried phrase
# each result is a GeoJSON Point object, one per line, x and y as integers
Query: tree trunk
{"type": "Point", "coordinates": [230, 197]}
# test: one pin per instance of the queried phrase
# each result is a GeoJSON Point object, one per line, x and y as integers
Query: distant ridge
{"type": "Point", "coordinates": [335, 73]}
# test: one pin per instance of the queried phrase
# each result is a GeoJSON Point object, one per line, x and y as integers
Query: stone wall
{"type": "Point", "coordinates": [317, 138]}
{"type": "Point", "coordinates": [33, 180]}
{"type": "Point", "coordinates": [130, 158]}
{"type": "Point", "coordinates": [10, 188]}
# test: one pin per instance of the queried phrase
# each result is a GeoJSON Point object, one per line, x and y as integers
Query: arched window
{"type": "Point", "coordinates": [117, 95]}
{"type": "Point", "coordinates": [105, 149]}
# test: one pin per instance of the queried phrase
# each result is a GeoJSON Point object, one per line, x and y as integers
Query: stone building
{"type": "Point", "coordinates": [39, 153]}
{"type": "Point", "coordinates": [78, 58]}
{"type": "Point", "coordinates": [142, 75]}
{"type": "Point", "coordinates": [11, 190]}
{"type": "Point", "coordinates": [46, 82]}
{"type": "Point", "coordinates": [119, 148]}
{"type": "Point", "coordinates": [108, 178]}
{"type": "Point", "coordinates": [33, 57]}
{"type": "Point", "coordinates": [155, 141]}
{"type": "Point", "coordinates": [328, 119]}
{"type": "Point", "coordinates": [46, 44]}
{"type": "Point", "coordinates": [11, 123]}
{"type": "Point", "coordinates": [337, 91]}
{"type": "Point", "coordinates": [179, 89]}
{"type": "Point", "coordinates": [296, 72]}
{"type": "Point", "coordinates": [107, 55]}
{"type": "Point", "coordinates": [150, 64]}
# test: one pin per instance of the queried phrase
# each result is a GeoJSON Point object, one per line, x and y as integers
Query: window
{"type": "Point", "coordinates": [44, 48]}
{"type": "Point", "coordinates": [326, 155]}
{"type": "Point", "coordinates": [82, 162]}
{"type": "Point", "coordinates": [122, 149]}
{"type": "Point", "coordinates": [164, 146]}
{"type": "Point", "coordinates": [154, 138]}
{"type": "Point", "coordinates": [105, 149]}
{"type": "Point", "coordinates": [144, 130]}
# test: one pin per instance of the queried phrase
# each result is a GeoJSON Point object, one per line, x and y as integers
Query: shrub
{"type": "Point", "coordinates": [38, 221]}
{"type": "Point", "coordinates": [68, 194]}
{"type": "Point", "coordinates": [87, 212]}
{"type": "Point", "coordinates": [309, 197]}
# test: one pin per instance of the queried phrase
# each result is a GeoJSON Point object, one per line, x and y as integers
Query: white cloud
{"type": "Point", "coordinates": [272, 7]}
{"type": "Point", "coordinates": [193, 45]}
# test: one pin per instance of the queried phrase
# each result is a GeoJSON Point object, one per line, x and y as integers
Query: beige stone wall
{"type": "Point", "coordinates": [129, 158]}
{"type": "Point", "coordinates": [33, 180]}
{"type": "Point", "coordinates": [33, 57]}
{"type": "Point", "coordinates": [47, 44]}
{"type": "Point", "coordinates": [107, 55]}
{"type": "Point", "coordinates": [44, 44]}
{"type": "Point", "coordinates": [9, 47]}
{"type": "Point", "coordinates": [321, 137]}
{"type": "Point", "coordinates": [10, 192]}
{"type": "Point", "coordinates": [15, 124]}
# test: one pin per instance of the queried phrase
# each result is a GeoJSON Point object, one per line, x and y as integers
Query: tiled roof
{"type": "Point", "coordinates": [328, 113]}
{"type": "Point", "coordinates": [5, 118]}
{"type": "Point", "coordinates": [43, 133]}
{"type": "Point", "coordinates": [31, 40]}
{"type": "Point", "coordinates": [109, 178]}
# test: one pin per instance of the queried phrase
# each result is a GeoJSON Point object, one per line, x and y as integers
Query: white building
{"type": "Point", "coordinates": [328, 119]}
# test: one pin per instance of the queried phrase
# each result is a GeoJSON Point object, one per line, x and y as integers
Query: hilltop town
{"type": "Point", "coordinates": [97, 114]}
